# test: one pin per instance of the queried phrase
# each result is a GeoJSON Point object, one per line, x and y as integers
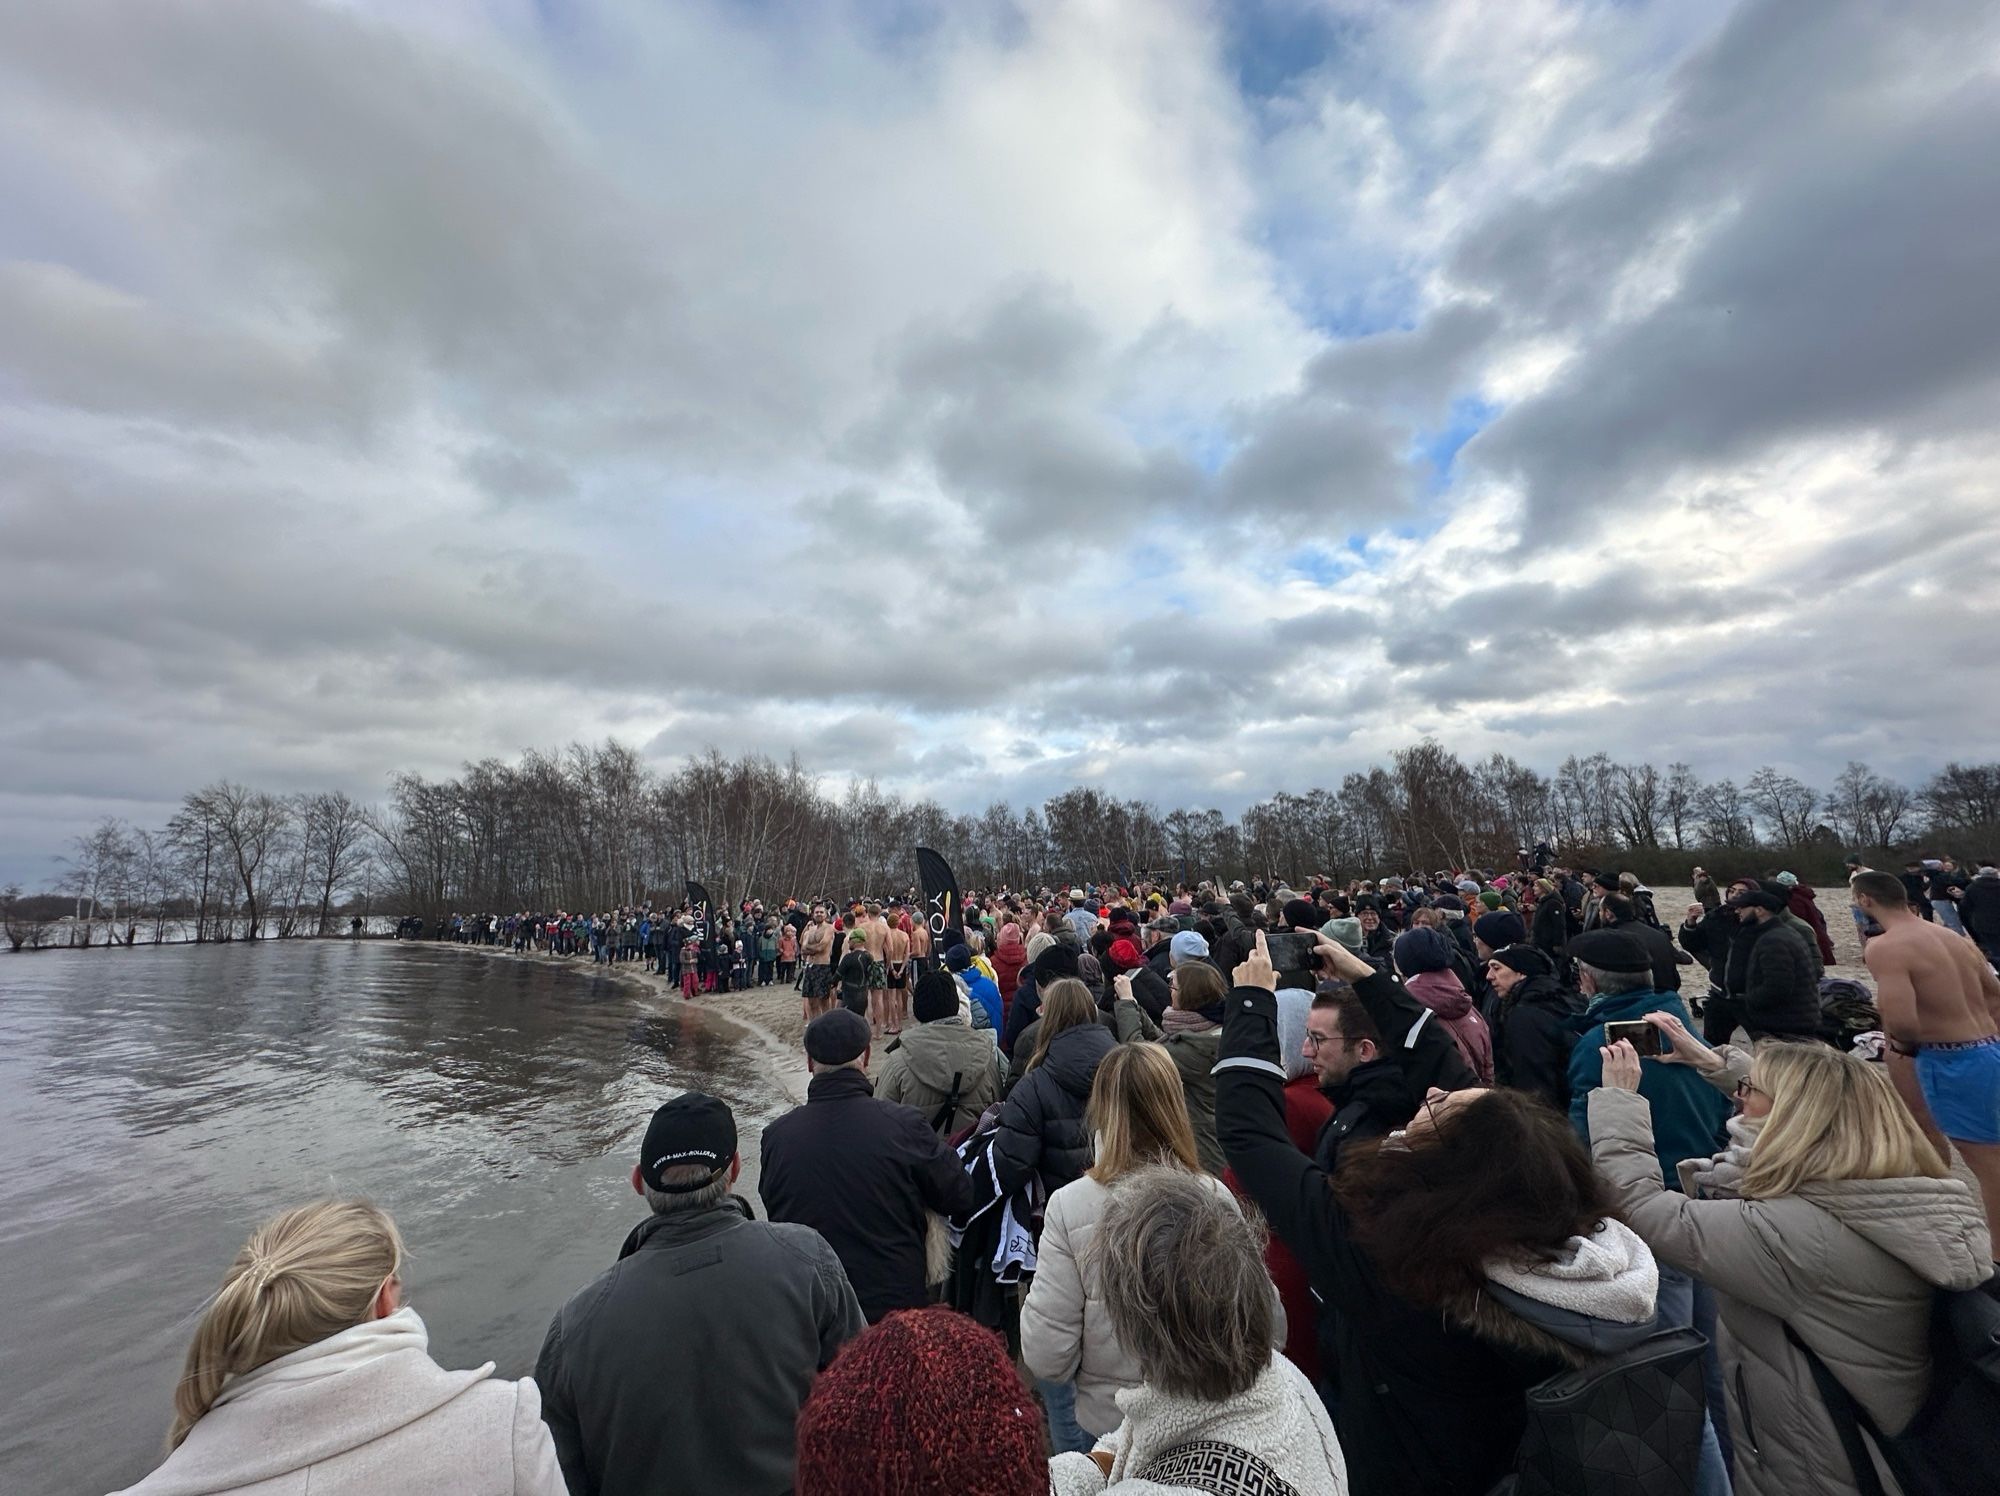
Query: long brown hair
{"type": "Point", "coordinates": [1067, 1004]}
{"type": "Point", "coordinates": [1502, 1176]}
{"type": "Point", "coordinates": [304, 1275]}
{"type": "Point", "coordinates": [1198, 985]}
{"type": "Point", "coordinates": [1138, 1109]}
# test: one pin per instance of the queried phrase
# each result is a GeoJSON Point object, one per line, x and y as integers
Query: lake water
{"type": "Point", "coordinates": [155, 1104]}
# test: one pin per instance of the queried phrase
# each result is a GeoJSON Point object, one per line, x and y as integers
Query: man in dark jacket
{"type": "Point", "coordinates": [683, 1367]}
{"type": "Point", "coordinates": [1535, 1027]}
{"type": "Point", "coordinates": [1369, 1095]}
{"type": "Point", "coordinates": [1780, 988]}
{"type": "Point", "coordinates": [861, 1171]}
{"type": "Point", "coordinates": [1618, 912]}
{"type": "Point", "coordinates": [1979, 909]}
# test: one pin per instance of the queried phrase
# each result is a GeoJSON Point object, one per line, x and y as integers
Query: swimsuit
{"type": "Point", "coordinates": [1961, 1085]}
{"type": "Point", "coordinates": [899, 975]}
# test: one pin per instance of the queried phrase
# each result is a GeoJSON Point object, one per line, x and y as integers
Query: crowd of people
{"type": "Point", "coordinates": [1418, 1185]}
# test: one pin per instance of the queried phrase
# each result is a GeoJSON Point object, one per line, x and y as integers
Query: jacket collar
{"type": "Point", "coordinates": [664, 1232]}
{"type": "Point", "coordinates": [844, 1084]}
{"type": "Point", "coordinates": [1372, 1081]}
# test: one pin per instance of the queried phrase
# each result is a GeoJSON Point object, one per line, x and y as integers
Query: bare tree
{"type": "Point", "coordinates": [249, 825]}
{"type": "Point", "coordinates": [1679, 797]}
{"type": "Point", "coordinates": [24, 924]}
{"type": "Point", "coordinates": [1785, 804]}
{"type": "Point", "coordinates": [335, 831]}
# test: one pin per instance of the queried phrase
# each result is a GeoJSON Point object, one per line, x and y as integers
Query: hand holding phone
{"type": "Point", "coordinates": [1641, 1035]}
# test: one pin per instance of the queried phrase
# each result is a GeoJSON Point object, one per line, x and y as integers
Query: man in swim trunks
{"type": "Point", "coordinates": [816, 950]}
{"type": "Point", "coordinates": [896, 962]}
{"type": "Point", "coordinates": [1940, 1005]}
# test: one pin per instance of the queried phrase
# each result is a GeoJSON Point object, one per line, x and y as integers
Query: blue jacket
{"type": "Point", "coordinates": [1688, 1113]}
{"type": "Point", "coordinates": [983, 992]}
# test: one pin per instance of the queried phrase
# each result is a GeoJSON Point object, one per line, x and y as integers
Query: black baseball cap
{"type": "Point", "coordinates": [690, 1129]}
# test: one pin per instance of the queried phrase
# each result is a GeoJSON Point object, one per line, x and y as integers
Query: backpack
{"type": "Point", "coordinates": [1957, 1430]}
{"type": "Point", "coordinates": [1626, 1425]}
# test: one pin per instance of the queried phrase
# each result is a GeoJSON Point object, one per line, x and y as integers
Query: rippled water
{"type": "Point", "coordinates": [156, 1104]}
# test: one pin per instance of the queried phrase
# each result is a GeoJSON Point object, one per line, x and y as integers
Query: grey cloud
{"type": "Point", "coordinates": [1420, 370]}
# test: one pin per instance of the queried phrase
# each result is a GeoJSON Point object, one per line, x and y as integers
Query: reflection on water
{"type": "Point", "coordinates": [155, 1104]}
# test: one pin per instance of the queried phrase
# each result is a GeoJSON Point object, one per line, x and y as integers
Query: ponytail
{"type": "Point", "coordinates": [304, 1275]}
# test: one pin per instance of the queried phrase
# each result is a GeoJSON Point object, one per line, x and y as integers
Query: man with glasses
{"type": "Point", "coordinates": [1370, 1096]}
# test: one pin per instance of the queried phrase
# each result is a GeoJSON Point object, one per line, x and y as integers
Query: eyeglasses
{"type": "Point", "coordinates": [1744, 1090]}
{"type": "Point", "coordinates": [1314, 1041]}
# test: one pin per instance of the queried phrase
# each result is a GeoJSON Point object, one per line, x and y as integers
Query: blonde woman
{"type": "Point", "coordinates": [1138, 1119]}
{"type": "Point", "coordinates": [1846, 1222]}
{"type": "Point", "coordinates": [309, 1371]}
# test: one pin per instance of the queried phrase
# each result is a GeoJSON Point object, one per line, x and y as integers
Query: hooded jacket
{"type": "Point", "coordinates": [1431, 1400]}
{"type": "Point", "coordinates": [365, 1410]}
{"type": "Point", "coordinates": [683, 1367]}
{"type": "Point", "coordinates": [1851, 1266]}
{"type": "Point", "coordinates": [919, 1068]}
{"type": "Point", "coordinates": [1193, 1055]}
{"type": "Point", "coordinates": [1537, 1029]}
{"type": "Point", "coordinates": [861, 1172]}
{"type": "Point", "coordinates": [1010, 954]}
{"type": "Point", "coordinates": [1804, 907]}
{"type": "Point", "coordinates": [1688, 1113]}
{"type": "Point", "coordinates": [1445, 995]}
{"type": "Point", "coordinates": [1041, 1126]}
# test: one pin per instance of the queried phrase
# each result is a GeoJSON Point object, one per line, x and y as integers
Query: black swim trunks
{"type": "Point", "coordinates": [817, 981]}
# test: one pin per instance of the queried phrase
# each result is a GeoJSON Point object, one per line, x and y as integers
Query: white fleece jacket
{"type": "Point", "coordinates": [366, 1411]}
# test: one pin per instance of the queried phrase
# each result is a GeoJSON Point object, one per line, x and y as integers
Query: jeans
{"type": "Point", "coordinates": [1066, 1436]}
{"type": "Point", "coordinates": [1678, 1295]}
{"type": "Point", "coordinates": [1947, 915]}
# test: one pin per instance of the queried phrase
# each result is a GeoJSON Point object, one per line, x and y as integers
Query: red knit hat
{"type": "Point", "coordinates": [926, 1401]}
{"type": "Point", "coordinates": [1125, 955]}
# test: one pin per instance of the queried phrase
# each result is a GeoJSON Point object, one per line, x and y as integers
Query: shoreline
{"type": "Point", "coordinates": [788, 1065]}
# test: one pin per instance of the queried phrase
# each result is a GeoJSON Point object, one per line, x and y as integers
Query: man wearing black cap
{"type": "Point", "coordinates": [1616, 974]}
{"type": "Point", "coordinates": [1533, 1022]}
{"type": "Point", "coordinates": [861, 1171]}
{"type": "Point", "coordinates": [683, 1367]}
{"type": "Point", "coordinates": [1780, 979]}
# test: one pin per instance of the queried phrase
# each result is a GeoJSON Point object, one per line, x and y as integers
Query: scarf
{"type": "Point", "coordinates": [1608, 1275]}
{"type": "Point", "coordinates": [342, 1351]}
{"type": "Point", "coordinates": [1192, 1021]}
{"type": "Point", "coordinates": [1721, 1177]}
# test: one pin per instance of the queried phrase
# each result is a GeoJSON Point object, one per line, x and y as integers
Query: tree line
{"type": "Point", "coordinates": [592, 826]}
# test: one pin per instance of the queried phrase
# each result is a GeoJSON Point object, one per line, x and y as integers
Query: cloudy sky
{"type": "Point", "coordinates": [1192, 399]}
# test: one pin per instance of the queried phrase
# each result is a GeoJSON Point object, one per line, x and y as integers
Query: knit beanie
{"type": "Point", "coordinates": [1124, 955]}
{"type": "Point", "coordinates": [1345, 931]}
{"type": "Point", "coordinates": [925, 1401]}
{"type": "Point", "coordinates": [1491, 899]}
{"type": "Point", "coordinates": [1421, 950]}
{"type": "Point", "coordinates": [1525, 959]}
{"type": "Point", "coordinates": [936, 997]}
{"type": "Point", "coordinates": [1790, 880]}
{"type": "Point", "coordinates": [1499, 928]}
{"type": "Point", "coordinates": [1187, 946]}
{"type": "Point", "coordinates": [1038, 942]}
{"type": "Point", "coordinates": [1301, 914]}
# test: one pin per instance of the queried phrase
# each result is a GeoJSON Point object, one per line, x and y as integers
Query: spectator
{"type": "Point", "coordinates": [925, 1401]}
{"type": "Point", "coordinates": [1536, 1026]}
{"type": "Point", "coordinates": [307, 1368]}
{"type": "Point", "coordinates": [981, 988]}
{"type": "Point", "coordinates": [1010, 954]}
{"type": "Point", "coordinates": [1185, 1291]}
{"type": "Point", "coordinates": [1979, 909]}
{"type": "Point", "coordinates": [1041, 1124]}
{"type": "Point", "coordinates": [1835, 1236]}
{"type": "Point", "coordinates": [633, 1408]}
{"type": "Point", "coordinates": [1423, 957]}
{"type": "Point", "coordinates": [1193, 1029]}
{"type": "Point", "coordinates": [1780, 981]}
{"type": "Point", "coordinates": [944, 1068]}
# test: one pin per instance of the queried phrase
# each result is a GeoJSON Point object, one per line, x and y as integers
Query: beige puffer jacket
{"type": "Point", "coordinates": [1851, 1266]}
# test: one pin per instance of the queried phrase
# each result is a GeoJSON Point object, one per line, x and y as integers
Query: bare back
{"type": "Point", "coordinates": [897, 948]}
{"type": "Point", "coordinates": [1933, 987]}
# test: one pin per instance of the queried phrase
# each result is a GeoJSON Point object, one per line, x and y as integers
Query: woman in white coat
{"type": "Point", "coordinates": [308, 1371]}
{"type": "Point", "coordinates": [1218, 1409]}
{"type": "Point", "coordinates": [1138, 1118]}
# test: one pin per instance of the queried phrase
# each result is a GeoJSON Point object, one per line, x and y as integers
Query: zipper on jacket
{"type": "Point", "coordinates": [1743, 1404]}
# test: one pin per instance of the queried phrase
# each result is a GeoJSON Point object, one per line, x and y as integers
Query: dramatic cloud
{"type": "Point", "coordinates": [1193, 400]}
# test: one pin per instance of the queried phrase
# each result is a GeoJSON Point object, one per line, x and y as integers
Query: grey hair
{"type": "Point", "coordinates": [1183, 1278]}
{"type": "Point", "coordinates": [712, 1193]}
{"type": "Point", "coordinates": [1612, 983]}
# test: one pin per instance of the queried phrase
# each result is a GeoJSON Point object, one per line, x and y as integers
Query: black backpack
{"type": "Point", "coordinates": [1957, 1430]}
{"type": "Point", "coordinates": [1626, 1425]}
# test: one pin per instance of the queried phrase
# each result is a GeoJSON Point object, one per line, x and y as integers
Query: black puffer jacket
{"type": "Point", "coordinates": [1781, 989]}
{"type": "Point", "coordinates": [1535, 1036]}
{"type": "Point", "coordinates": [1660, 947]}
{"type": "Point", "coordinates": [1041, 1123]}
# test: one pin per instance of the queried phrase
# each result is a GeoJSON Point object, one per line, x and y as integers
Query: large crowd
{"type": "Point", "coordinates": [1447, 1184]}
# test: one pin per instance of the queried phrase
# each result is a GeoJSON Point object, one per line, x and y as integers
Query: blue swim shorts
{"type": "Point", "coordinates": [1961, 1085]}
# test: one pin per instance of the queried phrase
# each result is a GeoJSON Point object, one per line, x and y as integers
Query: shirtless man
{"type": "Point", "coordinates": [896, 964]}
{"type": "Point", "coordinates": [872, 935]}
{"type": "Point", "coordinates": [816, 950]}
{"type": "Point", "coordinates": [920, 942]}
{"type": "Point", "coordinates": [1940, 1008]}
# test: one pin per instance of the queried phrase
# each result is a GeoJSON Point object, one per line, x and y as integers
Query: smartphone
{"type": "Point", "coordinates": [1291, 951]}
{"type": "Point", "coordinates": [1642, 1036]}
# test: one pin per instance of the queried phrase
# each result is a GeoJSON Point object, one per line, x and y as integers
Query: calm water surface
{"type": "Point", "coordinates": [156, 1104]}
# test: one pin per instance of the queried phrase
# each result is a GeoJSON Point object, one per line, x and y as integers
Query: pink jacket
{"type": "Point", "coordinates": [1445, 995]}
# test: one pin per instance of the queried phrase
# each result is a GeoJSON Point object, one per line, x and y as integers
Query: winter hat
{"type": "Point", "coordinates": [1490, 899]}
{"type": "Point", "coordinates": [927, 1400]}
{"type": "Point", "coordinates": [1346, 931]}
{"type": "Point", "coordinates": [1038, 942]}
{"type": "Point", "coordinates": [1500, 927]}
{"type": "Point", "coordinates": [1124, 955]}
{"type": "Point", "coordinates": [1421, 950]}
{"type": "Point", "coordinates": [958, 958]}
{"type": "Point", "coordinates": [1525, 959]}
{"type": "Point", "coordinates": [1185, 947]}
{"type": "Point", "coordinates": [838, 1037]}
{"type": "Point", "coordinates": [1790, 880]}
{"type": "Point", "coordinates": [1181, 905]}
{"type": "Point", "coordinates": [1448, 904]}
{"type": "Point", "coordinates": [1755, 899]}
{"type": "Point", "coordinates": [1611, 950]}
{"type": "Point", "coordinates": [1301, 914]}
{"type": "Point", "coordinates": [936, 997]}
{"type": "Point", "coordinates": [1058, 960]}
